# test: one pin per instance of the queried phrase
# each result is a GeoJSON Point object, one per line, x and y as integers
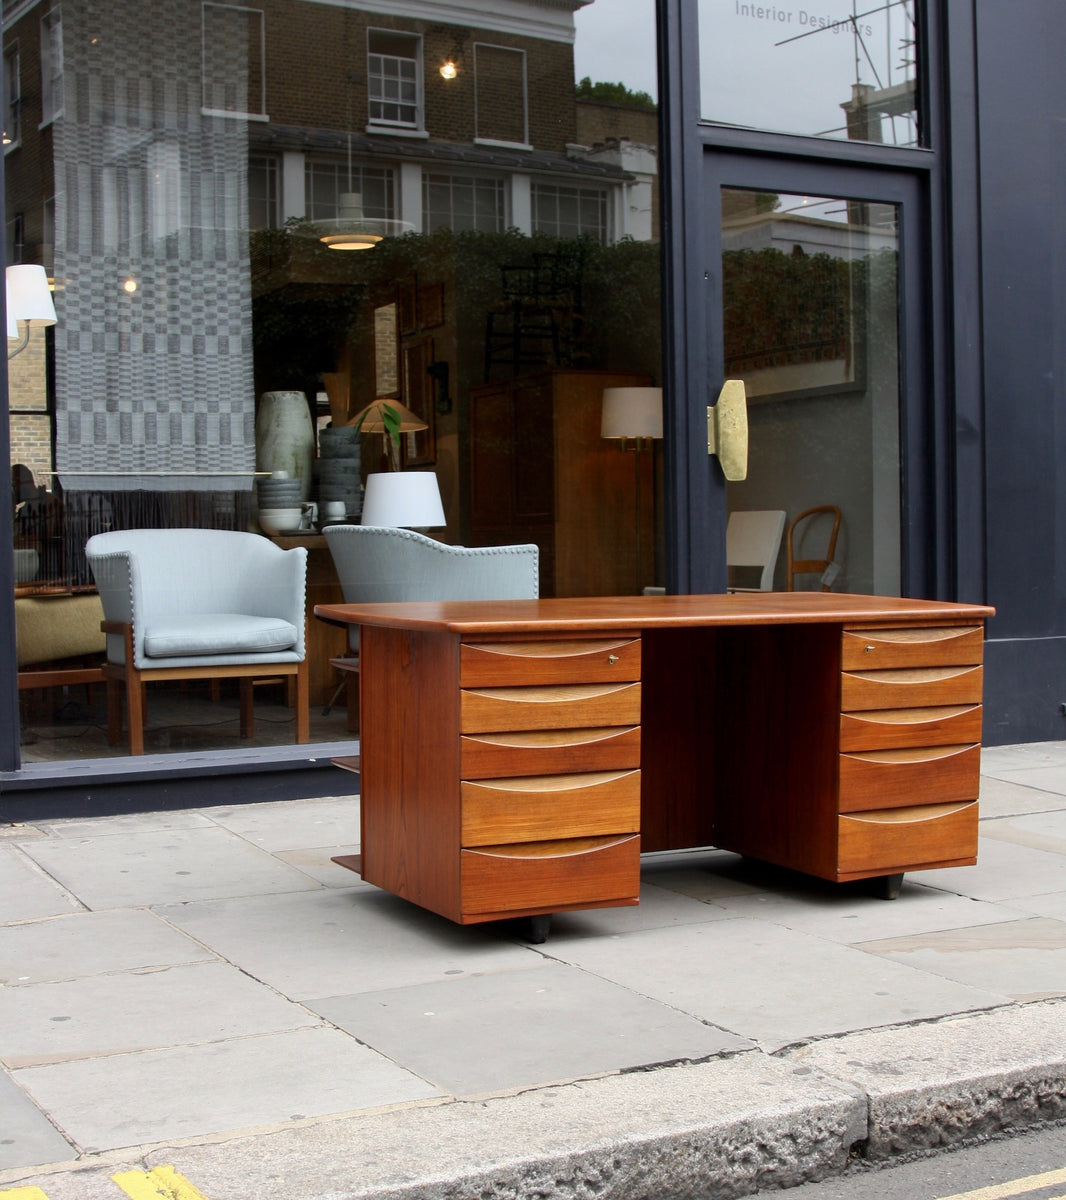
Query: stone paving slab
{"type": "Point", "coordinates": [202, 989]}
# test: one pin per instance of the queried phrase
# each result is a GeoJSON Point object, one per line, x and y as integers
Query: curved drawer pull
{"type": "Point", "coordinates": [917, 754]}
{"type": "Point", "coordinates": [908, 816]}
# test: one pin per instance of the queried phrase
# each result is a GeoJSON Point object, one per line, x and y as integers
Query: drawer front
{"type": "Point", "coordinates": [514, 663]}
{"type": "Point", "coordinates": [547, 875]}
{"type": "Point", "coordinates": [893, 778]}
{"type": "Point", "coordinates": [905, 839]}
{"type": "Point", "coordinates": [883, 729]}
{"type": "Point", "coordinates": [545, 751]}
{"type": "Point", "coordinates": [875, 649]}
{"type": "Point", "coordinates": [540, 807]}
{"type": "Point", "coordinates": [915, 687]}
{"type": "Point", "coordinates": [576, 706]}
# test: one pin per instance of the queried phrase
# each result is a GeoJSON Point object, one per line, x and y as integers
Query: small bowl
{"type": "Point", "coordinates": [280, 520]}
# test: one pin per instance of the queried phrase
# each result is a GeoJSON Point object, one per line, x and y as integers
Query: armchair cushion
{"type": "Point", "coordinates": [217, 633]}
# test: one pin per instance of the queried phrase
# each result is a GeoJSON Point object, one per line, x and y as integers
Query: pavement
{"type": "Point", "coordinates": [202, 1001]}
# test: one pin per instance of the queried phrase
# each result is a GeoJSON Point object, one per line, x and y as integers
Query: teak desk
{"type": "Point", "coordinates": [518, 755]}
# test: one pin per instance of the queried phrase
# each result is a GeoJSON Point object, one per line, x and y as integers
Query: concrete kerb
{"type": "Point", "coordinates": [716, 1130]}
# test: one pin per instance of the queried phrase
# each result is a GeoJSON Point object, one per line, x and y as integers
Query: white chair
{"type": "Point", "coordinates": [753, 542]}
{"type": "Point", "coordinates": [375, 563]}
{"type": "Point", "coordinates": [198, 604]}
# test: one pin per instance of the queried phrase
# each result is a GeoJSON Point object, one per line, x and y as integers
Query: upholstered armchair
{"type": "Point", "coordinates": [377, 563]}
{"type": "Point", "coordinates": [198, 604]}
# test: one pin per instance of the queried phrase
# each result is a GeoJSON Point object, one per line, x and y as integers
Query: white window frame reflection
{"type": "Point", "coordinates": [13, 98]}
{"type": "Point", "coordinates": [51, 66]}
{"type": "Point", "coordinates": [477, 202]}
{"type": "Point", "coordinates": [566, 211]}
{"type": "Point", "coordinates": [327, 179]}
{"type": "Point", "coordinates": [385, 74]}
{"type": "Point", "coordinates": [210, 41]}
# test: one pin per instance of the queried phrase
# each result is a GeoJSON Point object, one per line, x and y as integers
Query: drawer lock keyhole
{"type": "Point", "coordinates": [869, 649]}
{"type": "Point", "coordinates": [612, 658]}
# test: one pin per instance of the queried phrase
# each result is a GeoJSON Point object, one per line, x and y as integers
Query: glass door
{"type": "Point", "coordinates": [818, 288]}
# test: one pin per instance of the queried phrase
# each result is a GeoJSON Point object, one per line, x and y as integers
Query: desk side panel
{"type": "Point", "coordinates": [678, 737]}
{"type": "Point", "coordinates": [778, 702]}
{"type": "Point", "coordinates": [410, 765]}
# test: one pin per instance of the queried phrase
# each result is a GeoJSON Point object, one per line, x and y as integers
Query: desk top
{"type": "Point", "coordinates": [619, 613]}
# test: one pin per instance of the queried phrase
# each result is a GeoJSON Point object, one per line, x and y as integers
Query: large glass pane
{"type": "Point", "coordinates": [495, 177]}
{"type": "Point", "coordinates": [811, 317]}
{"type": "Point", "coordinates": [838, 69]}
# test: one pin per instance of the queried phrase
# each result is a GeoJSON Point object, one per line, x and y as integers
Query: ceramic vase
{"type": "Point", "coordinates": [285, 437]}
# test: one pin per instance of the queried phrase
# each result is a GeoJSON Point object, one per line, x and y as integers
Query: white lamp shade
{"type": "Point", "coordinates": [632, 412]}
{"type": "Point", "coordinates": [12, 323]}
{"type": "Point", "coordinates": [28, 295]}
{"type": "Point", "coordinates": [403, 500]}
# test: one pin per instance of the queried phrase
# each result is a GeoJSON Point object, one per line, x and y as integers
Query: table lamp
{"type": "Point", "coordinates": [403, 500]}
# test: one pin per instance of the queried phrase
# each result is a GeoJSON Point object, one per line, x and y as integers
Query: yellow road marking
{"type": "Point", "coordinates": [29, 1193]}
{"type": "Point", "coordinates": [160, 1183]}
{"type": "Point", "coordinates": [1015, 1187]}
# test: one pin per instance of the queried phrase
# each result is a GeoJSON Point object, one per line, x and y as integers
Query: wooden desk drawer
{"type": "Point", "coordinates": [574, 706]}
{"type": "Point", "coordinates": [875, 649]}
{"type": "Point", "coordinates": [579, 661]}
{"type": "Point", "coordinates": [550, 806]}
{"type": "Point", "coordinates": [883, 729]}
{"type": "Point", "coordinates": [914, 687]}
{"type": "Point", "coordinates": [896, 840]}
{"type": "Point", "coordinates": [547, 875]}
{"type": "Point", "coordinates": [894, 778]}
{"type": "Point", "coordinates": [545, 751]}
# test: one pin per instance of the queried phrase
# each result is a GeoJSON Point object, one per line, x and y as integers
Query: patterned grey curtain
{"type": "Point", "coordinates": [154, 386]}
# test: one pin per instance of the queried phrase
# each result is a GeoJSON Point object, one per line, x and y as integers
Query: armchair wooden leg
{"type": "Point", "coordinates": [135, 711]}
{"type": "Point", "coordinates": [303, 703]}
{"type": "Point", "coordinates": [247, 689]}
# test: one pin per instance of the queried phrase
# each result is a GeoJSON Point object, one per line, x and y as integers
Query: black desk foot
{"type": "Point", "coordinates": [538, 928]}
{"type": "Point", "coordinates": [887, 887]}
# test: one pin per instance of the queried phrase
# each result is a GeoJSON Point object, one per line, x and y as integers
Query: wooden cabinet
{"type": "Point", "coordinates": [910, 752]}
{"type": "Point", "coordinates": [540, 472]}
{"type": "Point", "coordinates": [529, 802]}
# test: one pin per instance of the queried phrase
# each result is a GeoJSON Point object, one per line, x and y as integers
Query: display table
{"type": "Point", "coordinates": [518, 756]}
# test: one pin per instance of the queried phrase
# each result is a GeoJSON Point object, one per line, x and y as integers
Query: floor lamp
{"type": "Point", "coordinates": [634, 416]}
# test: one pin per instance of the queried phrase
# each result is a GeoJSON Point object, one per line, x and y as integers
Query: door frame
{"type": "Point", "coordinates": [935, 358]}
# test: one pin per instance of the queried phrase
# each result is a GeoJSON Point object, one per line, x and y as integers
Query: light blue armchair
{"type": "Point", "coordinates": [198, 604]}
{"type": "Point", "coordinates": [376, 563]}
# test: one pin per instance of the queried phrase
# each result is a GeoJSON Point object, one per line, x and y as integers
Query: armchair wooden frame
{"type": "Point", "coordinates": [132, 680]}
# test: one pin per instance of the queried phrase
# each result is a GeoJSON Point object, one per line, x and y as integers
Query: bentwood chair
{"type": "Point", "coordinates": [198, 604]}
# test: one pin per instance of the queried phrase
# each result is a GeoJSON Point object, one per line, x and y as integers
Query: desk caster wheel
{"type": "Point", "coordinates": [538, 928]}
{"type": "Point", "coordinates": [887, 887]}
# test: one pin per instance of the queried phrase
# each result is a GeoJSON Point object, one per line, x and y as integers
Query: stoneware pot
{"type": "Point", "coordinates": [285, 437]}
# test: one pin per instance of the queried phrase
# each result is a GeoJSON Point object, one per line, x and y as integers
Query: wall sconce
{"type": "Point", "coordinates": [448, 70]}
{"type": "Point", "coordinates": [29, 300]}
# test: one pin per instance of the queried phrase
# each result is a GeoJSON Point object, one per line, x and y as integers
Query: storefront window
{"type": "Point", "coordinates": [838, 69]}
{"type": "Point", "coordinates": [185, 185]}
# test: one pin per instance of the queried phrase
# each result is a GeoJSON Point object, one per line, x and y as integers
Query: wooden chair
{"type": "Point", "coordinates": [198, 604]}
{"type": "Point", "coordinates": [753, 542]}
{"type": "Point", "coordinates": [826, 567]}
{"type": "Point", "coordinates": [376, 563]}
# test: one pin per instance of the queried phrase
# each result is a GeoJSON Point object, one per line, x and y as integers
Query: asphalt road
{"type": "Point", "coordinates": [1030, 1167]}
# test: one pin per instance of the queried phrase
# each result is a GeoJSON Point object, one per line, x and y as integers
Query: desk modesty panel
{"type": "Point", "coordinates": [517, 756]}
